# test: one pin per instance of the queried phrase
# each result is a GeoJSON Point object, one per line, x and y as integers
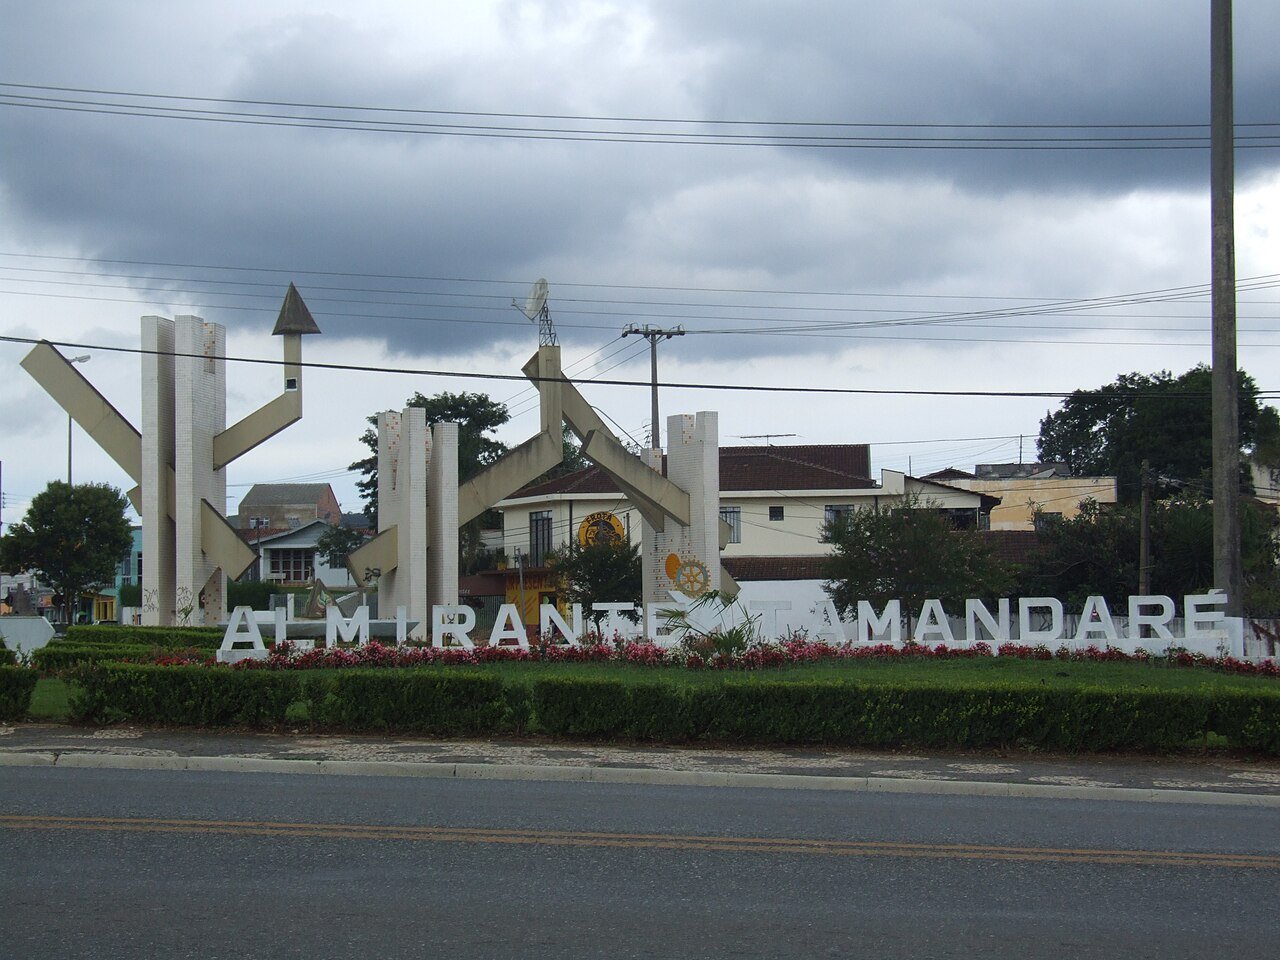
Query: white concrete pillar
{"type": "Point", "coordinates": [158, 530]}
{"type": "Point", "coordinates": [200, 414]}
{"type": "Point", "coordinates": [692, 553]}
{"type": "Point", "coordinates": [442, 509]}
{"type": "Point", "coordinates": [403, 455]}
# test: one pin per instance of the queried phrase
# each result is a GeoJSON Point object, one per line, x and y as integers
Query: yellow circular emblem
{"type": "Point", "coordinates": [600, 527]}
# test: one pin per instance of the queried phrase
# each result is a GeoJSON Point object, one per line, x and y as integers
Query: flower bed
{"type": "Point", "coordinates": [759, 656]}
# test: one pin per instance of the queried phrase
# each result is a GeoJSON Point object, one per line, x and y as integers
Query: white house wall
{"type": "Point", "coordinates": [797, 534]}
{"type": "Point", "coordinates": [566, 516]}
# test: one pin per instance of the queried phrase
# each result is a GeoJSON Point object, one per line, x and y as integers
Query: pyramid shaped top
{"type": "Point", "coordinates": [294, 315]}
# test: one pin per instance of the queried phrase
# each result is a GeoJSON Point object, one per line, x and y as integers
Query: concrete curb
{"type": "Point", "coordinates": [631, 775]}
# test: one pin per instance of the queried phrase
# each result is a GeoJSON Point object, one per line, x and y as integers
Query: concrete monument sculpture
{"type": "Point", "coordinates": [179, 458]}
{"type": "Point", "coordinates": [407, 544]}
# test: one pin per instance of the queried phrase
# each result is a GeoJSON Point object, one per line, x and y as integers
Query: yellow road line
{"type": "Point", "coordinates": [684, 842]}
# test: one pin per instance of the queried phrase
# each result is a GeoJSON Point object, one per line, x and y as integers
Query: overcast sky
{"type": "Point", "coordinates": [794, 183]}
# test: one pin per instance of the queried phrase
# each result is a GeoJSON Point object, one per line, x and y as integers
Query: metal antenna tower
{"type": "Point", "coordinates": [536, 309]}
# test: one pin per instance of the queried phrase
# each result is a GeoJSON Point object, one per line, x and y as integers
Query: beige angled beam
{"type": "Point", "coordinates": [258, 427]}
{"type": "Point", "coordinates": [221, 543]}
{"type": "Point", "coordinates": [580, 416]}
{"type": "Point", "coordinates": [87, 407]}
{"type": "Point", "coordinates": [280, 412]}
{"type": "Point", "coordinates": [517, 467]}
{"type": "Point", "coordinates": [629, 471]}
{"type": "Point", "coordinates": [728, 586]}
{"type": "Point", "coordinates": [583, 421]}
{"type": "Point", "coordinates": [381, 553]}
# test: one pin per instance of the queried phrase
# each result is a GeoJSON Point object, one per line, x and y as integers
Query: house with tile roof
{"type": "Point", "coordinates": [775, 500]}
{"type": "Point", "coordinates": [284, 506]}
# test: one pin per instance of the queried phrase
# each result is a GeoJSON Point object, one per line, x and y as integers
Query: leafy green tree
{"type": "Point", "coordinates": [607, 571]}
{"type": "Point", "coordinates": [1159, 418]}
{"type": "Point", "coordinates": [337, 543]}
{"type": "Point", "coordinates": [909, 553]}
{"type": "Point", "coordinates": [73, 538]}
{"type": "Point", "coordinates": [1096, 553]}
{"type": "Point", "coordinates": [477, 417]}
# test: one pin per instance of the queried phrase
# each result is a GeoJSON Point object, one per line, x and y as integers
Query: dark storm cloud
{"type": "Point", "coordinates": [363, 203]}
{"type": "Point", "coordinates": [995, 62]}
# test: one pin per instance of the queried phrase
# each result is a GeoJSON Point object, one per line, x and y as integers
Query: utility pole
{"type": "Point", "coordinates": [1227, 571]}
{"type": "Point", "coordinates": [653, 335]}
{"type": "Point", "coordinates": [1144, 533]}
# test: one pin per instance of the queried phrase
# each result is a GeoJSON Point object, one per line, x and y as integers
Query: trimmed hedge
{"type": "Point", "coordinates": [63, 656]}
{"type": "Point", "coordinates": [848, 713]}
{"type": "Point", "coordinates": [184, 696]}
{"type": "Point", "coordinates": [427, 701]}
{"type": "Point", "coordinates": [171, 638]}
{"type": "Point", "coordinates": [17, 684]}
{"type": "Point", "coordinates": [893, 715]}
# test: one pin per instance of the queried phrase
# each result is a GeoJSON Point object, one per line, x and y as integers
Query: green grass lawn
{"type": "Point", "coordinates": [49, 702]}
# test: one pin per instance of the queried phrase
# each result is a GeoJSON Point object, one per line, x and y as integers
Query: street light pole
{"type": "Point", "coordinates": [83, 358]}
{"type": "Point", "coordinates": [653, 335]}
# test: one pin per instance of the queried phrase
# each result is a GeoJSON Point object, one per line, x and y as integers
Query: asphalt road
{"type": "Point", "coordinates": [130, 864]}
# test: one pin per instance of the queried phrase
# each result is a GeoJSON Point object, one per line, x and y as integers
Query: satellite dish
{"type": "Point", "coordinates": [537, 299]}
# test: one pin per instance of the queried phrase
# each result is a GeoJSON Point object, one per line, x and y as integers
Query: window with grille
{"type": "Point", "coordinates": [775, 513]}
{"type": "Point", "coordinates": [292, 566]}
{"type": "Point", "coordinates": [733, 517]}
{"type": "Point", "coordinates": [834, 511]}
{"type": "Point", "coordinates": [831, 513]}
{"type": "Point", "coordinates": [539, 536]}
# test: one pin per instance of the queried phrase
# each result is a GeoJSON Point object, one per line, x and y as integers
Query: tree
{"type": "Point", "coordinates": [909, 553]}
{"type": "Point", "coordinates": [607, 571]}
{"type": "Point", "coordinates": [337, 543]}
{"type": "Point", "coordinates": [1160, 418]}
{"type": "Point", "coordinates": [477, 417]}
{"type": "Point", "coordinates": [1096, 554]}
{"type": "Point", "coordinates": [73, 538]}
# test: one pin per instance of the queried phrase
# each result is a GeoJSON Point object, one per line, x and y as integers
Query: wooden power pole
{"type": "Point", "coordinates": [1227, 570]}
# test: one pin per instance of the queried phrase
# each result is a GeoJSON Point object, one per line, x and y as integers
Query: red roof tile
{"type": "Point", "coordinates": [746, 569]}
{"type": "Point", "coordinates": [841, 466]}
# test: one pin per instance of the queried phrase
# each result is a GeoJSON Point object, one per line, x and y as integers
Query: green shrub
{"type": "Point", "coordinates": [428, 701]}
{"type": "Point", "coordinates": [8, 658]}
{"type": "Point", "coordinates": [63, 656]}
{"type": "Point", "coordinates": [1248, 721]}
{"type": "Point", "coordinates": [16, 686]}
{"type": "Point", "coordinates": [452, 701]}
{"type": "Point", "coordinates": [590, 707]}
{"type": "Point", "coordinates": [184, 696]}
{"type": "Point", "coordinates": [170, 638]}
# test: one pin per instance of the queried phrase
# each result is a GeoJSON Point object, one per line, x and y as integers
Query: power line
{"type": "Point", "coordinates": [714, 387]}
{"type": "Point", "coordinates": [1106, 140]}
{"type": "Point", "coordinates": [287, 272]}
{"type": "Point", "coordinates": [618, 119]}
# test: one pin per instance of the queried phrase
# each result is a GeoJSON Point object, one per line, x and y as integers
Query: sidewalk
{"type": "Point", "coordinates": [1209, 779]}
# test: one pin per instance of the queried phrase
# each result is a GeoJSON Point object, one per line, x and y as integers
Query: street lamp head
{"type": "Point", "coordinates": [83, 358]}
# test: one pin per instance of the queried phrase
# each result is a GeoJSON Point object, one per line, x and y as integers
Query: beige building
{"type": "Point", "coordinates": [1025, 489]}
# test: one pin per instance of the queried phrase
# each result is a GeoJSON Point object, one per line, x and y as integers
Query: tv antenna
{"type": "Point", "coordinates": [766, 437]}
{"type": "Point", "coordinates": [535, 308]}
